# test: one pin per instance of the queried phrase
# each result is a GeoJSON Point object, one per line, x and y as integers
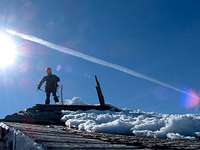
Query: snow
{"type": "Point", "coordinates": [73, 101]}
{"type": "Point", "coordinates": [178, 136]}
{"type": "Point", "coordinates": [129, 122]}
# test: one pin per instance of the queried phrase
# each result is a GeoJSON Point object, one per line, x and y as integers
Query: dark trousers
{"type": "Point", "coordinates": [48, 94]}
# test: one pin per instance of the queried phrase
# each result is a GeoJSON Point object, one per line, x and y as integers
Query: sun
{"type": "Point", "coordinates": [7, 51]}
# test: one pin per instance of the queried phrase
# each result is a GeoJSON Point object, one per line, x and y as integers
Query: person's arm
{"type": "Point", "coordinates": [58, 79]}
{"type": "Point", "coordinates": [41, 82]}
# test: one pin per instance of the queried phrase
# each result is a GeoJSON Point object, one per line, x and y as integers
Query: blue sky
{"type": "Point", "coordinates": [157, 38]}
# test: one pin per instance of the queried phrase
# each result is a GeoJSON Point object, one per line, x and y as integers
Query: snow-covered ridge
{"type": "Point", "coordinates": [135, 122]}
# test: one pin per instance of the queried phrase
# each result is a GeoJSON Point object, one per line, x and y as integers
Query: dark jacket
{"type": "Point", "coordinates": [51, 82]}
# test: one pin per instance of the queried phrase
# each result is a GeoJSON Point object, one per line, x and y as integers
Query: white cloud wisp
{"type": "Point", "coordinates": [94, 60]}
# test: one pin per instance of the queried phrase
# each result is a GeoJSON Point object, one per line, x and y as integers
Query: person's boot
{"type": "Point", "coordinates": [47, 101]}
{"type": "Point", "coordinates": [56, 99]}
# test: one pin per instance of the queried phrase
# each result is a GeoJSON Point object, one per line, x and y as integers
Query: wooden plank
{"type": "Point", "coordinates": [88, 146]}
{"type": "Point", "coordinates": [53, 137]}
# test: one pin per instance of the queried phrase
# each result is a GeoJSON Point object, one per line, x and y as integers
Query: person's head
{"type": "Point", "coordinates": [49, 71]}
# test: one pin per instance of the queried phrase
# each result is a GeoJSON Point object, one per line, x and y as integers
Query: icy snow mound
{"type": "Point", "coordinates": [73, 101]}
{"type": "Point", "coordinates": [139, 123]}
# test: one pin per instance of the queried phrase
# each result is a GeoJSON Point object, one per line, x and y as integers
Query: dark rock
{"type": "Point", "coordinates": [42, 107]}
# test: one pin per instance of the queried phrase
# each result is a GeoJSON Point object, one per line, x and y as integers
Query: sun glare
{"type": "Point", "coordinates": [7, 51]}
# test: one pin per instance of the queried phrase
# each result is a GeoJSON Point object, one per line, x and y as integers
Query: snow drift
{"type": "Point", "coordinates": [139, 123]}
{"type": "Point", "coordinates": [73, 101]}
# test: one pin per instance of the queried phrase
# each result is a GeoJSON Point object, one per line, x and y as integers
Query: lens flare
{"type": "Point", "coordinates": [191, 100]}
{"type": "Point", "coordinates": [7, 50]}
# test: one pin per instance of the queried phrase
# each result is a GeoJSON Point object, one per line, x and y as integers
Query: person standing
{"type": "Point", "coordinates": [51, 81]}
